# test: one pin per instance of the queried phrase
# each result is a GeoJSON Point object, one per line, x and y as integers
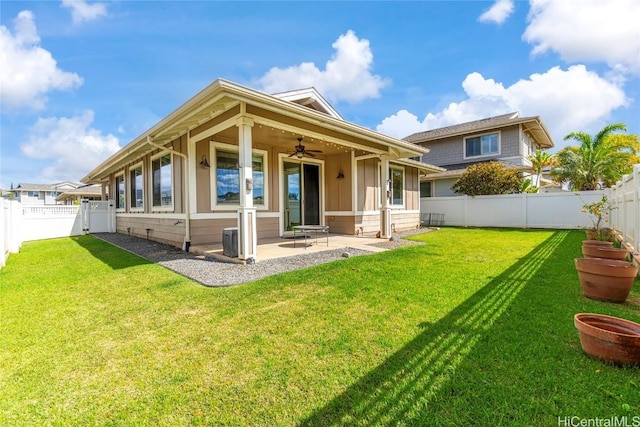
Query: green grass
{"type": "Point", "coordinates": [475, 327]}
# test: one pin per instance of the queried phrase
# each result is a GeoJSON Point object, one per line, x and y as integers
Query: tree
{"type": "Point", "coordinates": [599, 161]}
{"type": "Point", "coordinates": [488, 178]}
{"type": "Point", "coordinates": [540, 160]}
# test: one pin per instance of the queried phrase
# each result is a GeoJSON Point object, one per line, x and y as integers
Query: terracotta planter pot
{"type": "Point", "coordinates": [609, 338]}
{"type": "Point", "coordinates": [605, 279]}
{"type": "Point", "coordinates": [600, 251]}
{"type": "Point", "coordinates": [601, 243]}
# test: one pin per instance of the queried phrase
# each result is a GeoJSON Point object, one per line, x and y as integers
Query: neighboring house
{"type": "Point", "coordinates": [508, 138]}
{"type": "Point", "coordinates": [76, 195]}
{"type": "Point", "coordinates": [232, 156]}
{"type": "Point", "coordinates": [42, 194]}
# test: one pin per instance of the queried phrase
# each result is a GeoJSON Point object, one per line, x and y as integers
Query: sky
{"type": "Point", "coordinates": [80, 79]}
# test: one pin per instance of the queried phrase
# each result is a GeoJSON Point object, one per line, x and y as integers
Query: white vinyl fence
{"type": "Point", "coordinates": [562, 210]}
{"type": "Point", "coordinates": [23, 223]}
{"type": "Point", "coordinates": [624, 198]}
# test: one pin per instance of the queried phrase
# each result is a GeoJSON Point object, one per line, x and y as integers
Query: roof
{"type": "Point", "coordinates": [45, 187]}
{"type": "Point", "coordinates": [533, 124]}
{"type": "Point", "coordinates": [222, 95]}
{"type": "Point", "coordinates": [461, 168]}
{"type": "Point", "coordinates": [85, 190]}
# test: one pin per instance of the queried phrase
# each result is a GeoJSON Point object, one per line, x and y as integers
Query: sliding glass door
{"type": "Point", "coordinates": [301, 194]}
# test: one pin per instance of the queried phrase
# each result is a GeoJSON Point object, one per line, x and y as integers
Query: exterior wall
{"type": "Point", "coordinates": [163, 230]}
{"type": "Point", "coordinates": [338, 193]}
{"type": "Point", "coordinates": [341, 224]}
{"type": "Point", "coordinates": [401, 221]}
{"type": "Point", "coordinates": [204, 231]}
{"type": "Point", "coordinates": [442, 187]}
{"type": "Point", "coordinates": [450, 151]}
{"type": "Point", "coordinates": [368, 177]}
{"type": "Point", "coordinates": [367, 224]}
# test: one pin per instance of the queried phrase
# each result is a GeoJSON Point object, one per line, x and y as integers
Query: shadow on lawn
{"type": "Point", "coordinates": [113, 256]}
{"type": "Point", "coordinates": [396, 392]}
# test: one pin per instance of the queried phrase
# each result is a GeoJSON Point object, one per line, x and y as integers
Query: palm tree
{"type": "Point", "coordinates": [599, 161]}
{"type": "Point", "coordinates": [540, 160]}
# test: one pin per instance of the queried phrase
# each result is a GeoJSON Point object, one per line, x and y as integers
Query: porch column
{"type": "Point", "coordinates": [385, 193]}
{"type": "Point", "coordinates": [247, 233]}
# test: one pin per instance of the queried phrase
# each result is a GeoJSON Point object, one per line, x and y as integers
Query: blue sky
{"type": "Point", "coordinates": [79, 79]}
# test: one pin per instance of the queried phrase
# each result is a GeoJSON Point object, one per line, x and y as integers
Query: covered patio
{"type": "Point", "coordinates": [281, 247]}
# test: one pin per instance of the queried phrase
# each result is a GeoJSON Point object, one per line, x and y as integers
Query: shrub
{"type": "Point", "coordinates": [488, 178]}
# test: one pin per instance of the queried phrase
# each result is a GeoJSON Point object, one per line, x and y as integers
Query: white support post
{"type": "Point", "coordinates": [247, 232]}
{"type": "Point", "coordinates": [385, 190]}
{"type": "Point", "coordinates": [635, 206]}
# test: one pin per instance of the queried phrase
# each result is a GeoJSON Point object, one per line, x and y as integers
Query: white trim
{"type": "Point", "coordinates": [339, 213]}
{"type": "Point", "coordinates": [403, 211]}
{"type": "Point", "coordinates": [155, 208]}
{"type": "Point", "coordinates": [117, 194]}
{"type": "Point", "coordinates": [133, 167]}
{"type": "Point", "coordinates": [152, 215]}
{"type": "Point", "coordinates": [480, 135]}
{"type": "Point", "coordinates": [232, 215]}
{"type": "Point", "coordinates": [282, 157]}
{"type": "Point", "coordinates": [216, 145]}
{"type": "Point", "coordinates": [368, 213]}
{"type": "Point", "coordinates": [404, 186]}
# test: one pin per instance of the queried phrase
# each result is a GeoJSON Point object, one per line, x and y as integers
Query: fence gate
{"type": "Point", "coordinates": [98, 216]}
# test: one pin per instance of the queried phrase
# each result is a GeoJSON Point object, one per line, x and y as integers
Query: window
{"type": "Point", "coordinates": [482, 145]}
{"type": "Point", "coordinates": [161, 181]}
{"type": "Point", "coordinates": [426, 188]}
{"type": "Point", "coordinates": [120, 191]}
{"type": "Point", "coordinates": [396, 175]}
{"type": "Point", "coordinates": [227, 176]}
{"type": "Point", "coordinates": [137, 187]}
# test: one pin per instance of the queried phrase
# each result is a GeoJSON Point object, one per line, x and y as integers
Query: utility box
{"type": "Point", "coordinates": [230, 242]}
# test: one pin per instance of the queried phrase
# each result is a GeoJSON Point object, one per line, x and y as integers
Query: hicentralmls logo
{"type": "Point", "coordinates": [624, 421]}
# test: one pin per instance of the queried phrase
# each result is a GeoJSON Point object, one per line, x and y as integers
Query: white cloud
{"type": "Point", "coordinates": [498, 13]}
{"type": "Point", "coordinates": [28, 71]}
{"type": "Point", "coordinates": [588, 30]}
{"type": "Point", "coordinates": [569, 100]}
{"type": "Point", "coordinates": [73, 145]}
{"type": "Point", "coordinates": [347, 75]}
{"type": "Point", "coordinates": [81, 11]}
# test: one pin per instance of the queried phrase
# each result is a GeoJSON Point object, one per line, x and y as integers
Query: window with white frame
{"type": "Point", "coordinates": [120, 192]}
{"type": "Point", "coordinates": [396, 174]}
{"type": "Point", "coordinates": [226, 172]}
{"type": "Point", "coordinates": [162, 181]}
{"type": "Point", "coordinates": [482, 145]}
{"type": "Point", "coordinates": [426, 188]}
{"type": "Point", "coordinates": [137, 187]}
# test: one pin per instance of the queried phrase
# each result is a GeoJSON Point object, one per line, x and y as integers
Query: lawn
{"type": "Point", "coordinates": [475, 327]}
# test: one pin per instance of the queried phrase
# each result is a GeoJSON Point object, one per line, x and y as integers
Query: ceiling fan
{"type": "Point", "coordinates": [300, 151]}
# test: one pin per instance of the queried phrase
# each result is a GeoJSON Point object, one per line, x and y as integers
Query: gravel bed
{"type": "Point", "coordinates": [211, 272]}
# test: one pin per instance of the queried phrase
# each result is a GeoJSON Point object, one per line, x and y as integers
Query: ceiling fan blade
{"type": "Point", "coordinates": [310, 154]}
{"type": "Point", "coordinates": [293, 154]}
{"type": "Point", "coordinates": [314, 151]}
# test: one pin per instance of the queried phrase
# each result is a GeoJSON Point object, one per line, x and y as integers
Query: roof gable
{"type": "Point", "coordinates": [310, 98]}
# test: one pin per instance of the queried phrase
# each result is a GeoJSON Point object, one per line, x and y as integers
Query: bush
{"type": "Point", "coordinates": [488, 178]}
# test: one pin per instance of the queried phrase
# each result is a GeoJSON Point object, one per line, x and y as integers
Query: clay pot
{"type": "Point", "coordinates": [600, 251]}
{"type": "Point", "coordinates": [605, 279]}
{"type": "Point", "coordinates": [609, 338]}
{"type": "Point", "coordinates": [601, 243]}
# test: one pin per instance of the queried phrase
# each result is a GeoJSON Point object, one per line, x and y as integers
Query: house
{"type": "Point", "coordinates": [508, 138]}
{"type": "Point", "coordinates": [75, 195]}
{"type": "Point", "coordinates": [42, 194]}
{"type": "Point", "coordinates": [232, 156]}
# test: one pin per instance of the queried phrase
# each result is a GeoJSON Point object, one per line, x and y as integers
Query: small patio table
{"type": "Point", "coordinates": [310, 228]}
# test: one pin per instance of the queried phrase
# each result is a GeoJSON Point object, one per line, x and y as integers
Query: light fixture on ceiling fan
{"type": "Point", "coordinates": [300, 150]}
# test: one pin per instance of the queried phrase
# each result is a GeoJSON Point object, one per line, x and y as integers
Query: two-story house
{"type": "Point", "coordinates": [508, 138]}
{"type": "Point", "coordinates": [42, 194]}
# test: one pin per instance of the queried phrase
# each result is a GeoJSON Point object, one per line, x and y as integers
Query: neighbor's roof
{"type": "Point", "coordinates": [45, 187]}
{"type": "Point", "coordinates": [533, 124]}
{"type": "Point", "coordinates": [219, 97]}
{"type": "Point", "coordinates": [457, 170]}
{"type": "Point", "coordinates": [85, 190]}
